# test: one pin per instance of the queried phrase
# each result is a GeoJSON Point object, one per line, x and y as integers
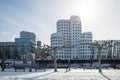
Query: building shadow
{"type": "Point", "coordinates": [105, 76]}
{"type": "Point", "coordinates": [41, 75]}
{"type": "Point", "coordinates": [67, 71]}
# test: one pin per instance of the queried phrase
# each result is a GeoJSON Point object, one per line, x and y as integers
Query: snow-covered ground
{"type": "Point", "coordinates": [62, 74]}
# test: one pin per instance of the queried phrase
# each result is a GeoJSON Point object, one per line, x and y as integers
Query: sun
{"type": "Point", "coordinates": [86, 10]}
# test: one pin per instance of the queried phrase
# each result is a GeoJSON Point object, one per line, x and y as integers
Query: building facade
{"type": "Point", "coordinates": [26, 44]}
{"type": "Point", "coordinates": [69, 33]}
{"type": "Point", "coordinates": [7, 49]}
{"type": "Point", "coordinates": [85, 52]}
{"type": "Point", "coordinates": [26, 34]}
{"type": "Point", "coordinates": [112, 51]}
{"type": "Point", "coordinates": [22, 48]}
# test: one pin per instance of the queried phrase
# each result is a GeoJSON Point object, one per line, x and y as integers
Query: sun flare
{"type": "Point", "coordinates": [86, 10]}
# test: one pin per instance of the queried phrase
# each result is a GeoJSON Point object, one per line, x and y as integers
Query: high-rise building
{"type": "Point", "coordinates": [26, 34]}
{"type": "Point", "coordinates": [21, 48]}
{"type": "Point", "coordinates": [26, 44]}
{"type": "Point", "coordinates": [69, 33]}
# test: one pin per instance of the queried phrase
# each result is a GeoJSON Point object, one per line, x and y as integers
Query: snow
{"type": "Point", "coordinates": [62, 74]}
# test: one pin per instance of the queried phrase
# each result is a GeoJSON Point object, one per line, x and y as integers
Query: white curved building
{"type": "Point", "coordinates": [85, 51]}
{"type": "Point", "coordinates": [69, 33]}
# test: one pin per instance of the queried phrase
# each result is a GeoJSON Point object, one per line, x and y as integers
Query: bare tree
{"type": "Point", "coordinates": [54, 49]}
{"type": "Point", "coordinates": [3, 50]}
{"type": "Point", "coordinates": [99, 47]}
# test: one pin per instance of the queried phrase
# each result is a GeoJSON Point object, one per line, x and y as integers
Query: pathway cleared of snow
{"type": "Point", "coordinates": [62, 74]}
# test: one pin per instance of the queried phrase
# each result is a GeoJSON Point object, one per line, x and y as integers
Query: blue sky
{"type": "Point", "coordinates": [102, 17]}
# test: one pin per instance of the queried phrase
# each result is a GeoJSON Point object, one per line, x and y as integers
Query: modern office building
{"type": "Point", "coordinates": [22, 47]}
{"type": "Point", "coordinates": [26, 34]}
{"type": "Point", "coordinates": [69, 33]}
{"type": "Point", "coordinates": [26, 44]}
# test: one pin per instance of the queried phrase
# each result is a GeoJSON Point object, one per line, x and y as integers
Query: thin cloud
{"type": "Point", "coordinates": [7, 36]}
{"type": "Point", "coordinates": [10, 20]}
{"type": "Point", "coordinates": [5, 33]}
